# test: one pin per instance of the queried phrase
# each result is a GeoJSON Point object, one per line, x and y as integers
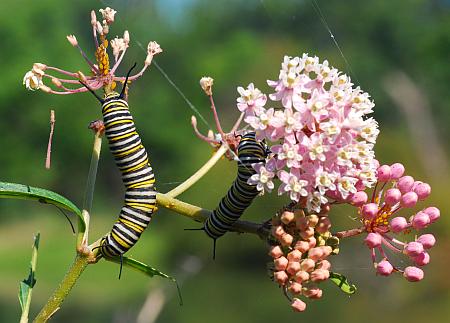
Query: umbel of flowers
{"type": "Point", "coordinates": [102, 72]}
{"type": "Point", "coordinates": [322, 142]}
{"type": "Point", "coordinates": [300, 245]}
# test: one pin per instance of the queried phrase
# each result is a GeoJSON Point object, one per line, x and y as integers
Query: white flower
{"type": "Point", "coordinates": [314, 201]}
{"type": "Point", "coordinates": [108, 14]}
{"type": "Point", "coordinates": [262, 178]}
{"type": "Point", "coordinates": [33, 79]}
{"type": "Point", "coordinates": [206, 83]}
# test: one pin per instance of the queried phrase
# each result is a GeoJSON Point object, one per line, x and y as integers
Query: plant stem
{"type": "Point", "coordinates": [198, 174]}
{"type": "Point", "coordinates": [83, 231]}
{"type": "Point", "coordinates": [55, 301]}
{"type": "Point", "coordinates": [350, 233]}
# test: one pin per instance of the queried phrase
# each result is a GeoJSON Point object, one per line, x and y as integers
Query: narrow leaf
{"type": "Point", "coordinates": [342, 282]}
{"type": "Point", "coordinates": [26, 286]}
{"type": "Point", "coordinates": [19, 191]}
{"type": "Point", "coordinates": [146, 270]}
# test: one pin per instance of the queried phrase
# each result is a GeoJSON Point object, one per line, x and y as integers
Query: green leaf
{"type": "Point", "coordinates": [25, 192]}
{"type": "Point", "coordinates": [342, 282]}
{"type": "Point", "coordinates": [26, 285]}
{"type": "Point", "coordinates": [146, 270]}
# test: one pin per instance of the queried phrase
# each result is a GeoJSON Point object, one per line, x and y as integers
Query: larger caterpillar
{"type": "Point", "coordinates": [137, 175]}
{"type": "Point", "coordinates": [241, 194]}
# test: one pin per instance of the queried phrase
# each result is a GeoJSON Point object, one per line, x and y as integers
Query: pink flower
{"type": "Point", "coordinates": [384, 268]}
{"type": "Point", "coordinates": [373, 240]}
{"type": "Point", "coordinates": [263, 177]}
{"type": "Point", "coordinates": [298, 305]}
{"type": "Point", "coordinates": [251, 100]}
{"type": "Point", "coordinates": [413, 274]}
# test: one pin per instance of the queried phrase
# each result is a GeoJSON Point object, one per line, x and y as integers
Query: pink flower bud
{"type": "Point", "coordinates": [405, 184]}
{"type": "Point", "coordinates": [275, 252]}
{"type": "Point", "coordinates": [422, 190]}
{"type": "Point", "coordinates": [324, 225]}
{"type": "Point", "coordinates": [427, 240]}
{"type": "Point", "coordinates": [373, 240]}
{"type": "Point", "coordinates": [319, 275]}
{"type": "Point", "coordinates": [315, 253]}
{"type": "Point", "coordinates": [301, 276]}
{"type": "Point", "coordinates": [301, 223]}
{"type": "Point", "coordinates": [420, 220]}
{"type": "Point", "coordinates": [313, 293]}
{"type": "Point", "coordinates": [384, 173]}
{"type": "Point", "coordinates": [287, 217]}
{"type": "Point", "coordinates": [433, 212]}
{"type": "Point", "coordinates": [307, 265]}
{"type": "Point", "coordinates": [294, 255]}
{"type": "Point", "coordinates": [286, 240]}
{"type": "Point", "coordinates": [392, 196]}
{"type": "Point", "coordinates": [398, 224]}
{"type": "Point", "coordinates": [309, 232]}
{"type": "Point", "coordinates": [280, 277]}
{"type": "Point", "coordinates": [293, 267]}
{"type": "Point", "coordinates": [397, 170]}
{"type": "Point", "coordinates": [313, 219]}
{"type": "Point", "coordinates": [369, 211]}
{"type": "Point", "coordinates": [302, 246]}
{"type": "Point", "coordinates": [278, 231]}
{"type": "Point", "coordinates": [409, 199]}
{"type": "Point", "coordinates": [298, 305]}
{"type": "Point", "coordinates": [326, 250]}
{"type": "Point", "coordinates": [413, 249]}
{"type": "Point", "coordinates": [312, 242]}
{"type": "Point", "coordinates": [324, 264]}
{"type": "Point", "coordinates": [384, 268]}
{"type": "Point", "coordinates": [413, 274]}
{"type": "Point", "coordinates": [295, 288]}
{"type": "Point", "coordinates": [359, 198]}
{"type": "Point", "coordinates": [281, 263]}
{"type": "Point", "coordinates": [422, 259]}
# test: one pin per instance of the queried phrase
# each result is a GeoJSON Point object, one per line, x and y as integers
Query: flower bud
{"type": "Point", "coordinates": [72, 40]}
{"type": "Point", "coordinates": [313, 293]}
{"type": "Point", "coordinates": [359, 198]}
{"type": "Point", "coordinates": [312, 242]}
{"type": "Point", "coordinates": [206, 83]}
{"type": "Point", "coordinates": [293, 267]}
{"type": "Point", "coordinates": [324, 264]}
{"type": "Point", "coordinates": [373, 240]}
{"type": "Point", "coordinates": [301, 276]}
{"type": "Point", "coordinates": [307, 265]}
{"type": "Point", "coordinates": [294, 255]}
{"type": "Point", "coordinates": [433, 212]}
{"type": "Point", "coordinates": [324, 225]}
{"type": "Point", "coordinates": [384, 268]}
{"type": "Point", "coordinates": [295, 288]}
{"type": "Point", "coordinates": [369, 211]}
{"type": "Point", "coordinates": [286, 240]}
{"type": "Point", "coordinates": [409, 199]}
{"type": "Point", "coordinates": [280, 277]}
{"type": "Point", "coordinates": [420, 220]}
{"type": "Point", "coordinates": [312, 219]}
{"type": "Point", "coordinates": [392, 196]}
{"type": "Point", "coordinates": [397, 170]}
{"type": "Point", "coordinates": [413, 274]}
{"type": "Point", "coordinates": [287, 217]}
{"type": "Point", "coordinates": [298, 305]}
{"type": "Point", "coordinates": [423, 190]}
{"type": "Point", "coordinates": [275, 252]}
{"type": "Point", "coordinates": [422, 259]}
{"type": "Point", "coordinates": [427, 240]}
{"type": "Point", "coordinates": [301, 223]}
{"type": "Point", "coordinates": [281, 263]}
{"type": "Point", "coordinates": [315, 253]}
{"type": "Point", "coordinates": [278, 231]}
{"type": "Point", "coordinates": [126, 37]}
{"type": "Point", "coordinates": [398, 224]}
{"type": "Point", "coordinates": [384, 173]}
{"type": "Point", "coordinates": [413, 249]}
{"type": "Point", "coordinates": [319, 275]}
{"type": "Point", "coordinates": [405, 184]}
{"type": "Point", "coordinates": [309, 232]}
{"type": "Point", "coordinates": [93, 19]}
{"type": "Point", "coordinates": [302, 246]}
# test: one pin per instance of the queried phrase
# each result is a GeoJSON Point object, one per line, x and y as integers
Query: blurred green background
{"type": "Point", "coordinates": [396, 50]}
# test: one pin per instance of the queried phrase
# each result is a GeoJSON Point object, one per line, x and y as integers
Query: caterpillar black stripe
{"type": "Point", "coordinates": [137, 175]}
{"type": "Point", "coordinates": [241, 194]}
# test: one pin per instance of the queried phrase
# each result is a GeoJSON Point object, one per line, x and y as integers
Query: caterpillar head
{"type": "Point", "coordinates": [111, 95]}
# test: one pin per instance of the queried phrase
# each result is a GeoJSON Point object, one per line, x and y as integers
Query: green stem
{"type": "Point", "coordinates": [198, 174]}
{"type": "Point", "coordinates": [55, 301]}
{"type": "Point", "coordinates": [34, 253]}
{"type": "Point", "coordinates": [83, 230]}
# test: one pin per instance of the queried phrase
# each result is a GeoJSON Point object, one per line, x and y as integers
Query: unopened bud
{"type": "Point", "coordinates": [295, 288]}
{"type": "Point", "coordinates": [276, 252]}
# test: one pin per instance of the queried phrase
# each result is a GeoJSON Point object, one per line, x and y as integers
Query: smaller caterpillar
{"type": "Point", "coordinates": [241, 194]}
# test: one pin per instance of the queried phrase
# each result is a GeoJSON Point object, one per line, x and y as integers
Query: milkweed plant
{"type": "Point", "coordinates": [320, 141]}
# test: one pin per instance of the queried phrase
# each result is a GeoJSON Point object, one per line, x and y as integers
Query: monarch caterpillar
{"type": "Point", "coordinates": [137, 175]}
{"type": "Point", "coordinates": [241, 194]}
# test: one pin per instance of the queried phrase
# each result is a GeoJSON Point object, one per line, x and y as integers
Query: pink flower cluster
{"type": "Point", "coordinates": [323, 144]}
{"type": "Point", "coordinates": [397, 192]}
{"type": "Point", "coordinates": [300, 246]}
